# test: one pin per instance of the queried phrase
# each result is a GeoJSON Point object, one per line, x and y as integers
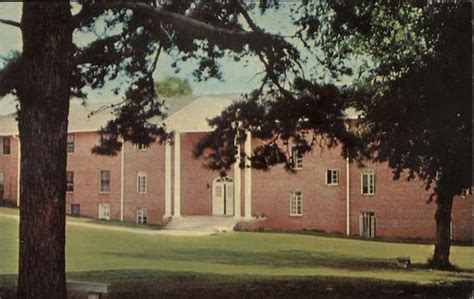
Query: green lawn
{"type": "Point", "coordinates": [119, 257]}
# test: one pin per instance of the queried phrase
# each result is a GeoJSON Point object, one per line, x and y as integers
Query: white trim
{"type": "Point", "coordinates": [336, 171]}
{"type": "Point", "coordinates": [237, 182]}
{"type": "Point", "coordinates": [370, 174]}
{"type": "Point", "coordinates": [299, 158]}
{"type": "Point", "coordinates": [348, 198]}
{"type": "Point", "coordinates": [70, 192]}
{"type": "Point", "coordinates": [297, 196]}
{"type": "Point", "coordinates": [122, 179]}
{"type": "Point", "coordinates": [138, 149]}
{"type": "Point", "coordinates": [367, 224]}
{"type": "Point", "coordinates": [248, 175]}
{"type": "Point", "coordinates": [177, 174]}
{"type": "Point", "coordinates": [104, 211]}
{"type": "Point", "coordinates": [144, 215]}
{"type": "Point", "coordinates": [167, 179]}
{"type": "Point", "coordinates": [142, 174]}
{"type": "Point", "coordinates": [100, 181]}
{"type": "Point", "coordinates": [73, 143]}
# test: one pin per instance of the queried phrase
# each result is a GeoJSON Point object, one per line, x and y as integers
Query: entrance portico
{"type": "Point", "coordinates": [190, 190]}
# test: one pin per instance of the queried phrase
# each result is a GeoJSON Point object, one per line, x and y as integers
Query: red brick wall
{"type": "Point", "coordinates": [196, 180]}
{"type": "Point", "coordinates": [9, 167]}
{"type": "Point", "coordinates": [151, 161]}
{"type": "Point", "coordinates": [86, 167]}
{"type": "Point", "coordinates": [400, 207]}
{"type": "Point", "coordinates": [323, 205]}
{"type": "Point", "coordinates": [462, 218]}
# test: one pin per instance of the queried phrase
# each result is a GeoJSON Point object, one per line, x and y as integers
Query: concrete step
{"type": "Point", "coordinates": [202, 223]}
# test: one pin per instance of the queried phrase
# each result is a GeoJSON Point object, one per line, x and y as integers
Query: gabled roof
{"type": "Point", "coordinates": [193, 117]}
{"type": "Point", "coordinates": [91, 116]}
{"type": "Point", "coordinates": [184, 114]}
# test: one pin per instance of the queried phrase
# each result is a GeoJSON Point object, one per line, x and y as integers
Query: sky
{"type": "Point", "coordinates": [238, 77]}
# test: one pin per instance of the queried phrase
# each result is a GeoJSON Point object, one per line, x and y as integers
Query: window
{"type": "Point", "coordinates": [104, 211]}
{"type": "Point", "coordinates": [141, 216]}
{"type": "Point", "coordinates": [368, 182]}
{"type": "Point", "coordinates": [466, 192]}
{"type": "Point", "coordinates": [75, 209]}
{"type": "Point", "coordinates": [104, 138]}
{"type": "Point", "coordinates": [141, 147]}
{"type": "Point", "coordinates": [451, 231]}
{"type": "Point", "coordinates": [296, 158]}
{"type": "Point", "coordinates": [142, 182]}
{"type": "Point", "coordinates": [2, 184]}
{"type": "Point", "coordinates": [70, 143]}
{"type": "Point", "coordinates": [367, 224]}
{"type": "Point", "coordinates": [296, 203]}
{"type": "Point", "coordinates": [332, 177]}
{"type": "Point", "coordinates": [69, 181]}
{"type": "Point", "coordinates": [104, 181]}
{"type": "Point", "coordinates": [6, 145]}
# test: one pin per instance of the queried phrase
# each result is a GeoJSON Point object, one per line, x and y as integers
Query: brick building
{"type": "Point", "coordinates": [162, 182]}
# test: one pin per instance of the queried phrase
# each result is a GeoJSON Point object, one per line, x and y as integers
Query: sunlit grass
{"type": "Point", "coordinates": [239, 255]}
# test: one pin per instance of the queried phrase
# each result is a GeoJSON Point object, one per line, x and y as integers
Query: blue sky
{"type": "Point", "coordinates": [237, 76]}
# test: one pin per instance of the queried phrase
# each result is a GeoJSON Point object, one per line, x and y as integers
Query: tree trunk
{"type": "Point", "coordinates": [443, 233]}
{"type": "Point", "coordinates": [44, 107]}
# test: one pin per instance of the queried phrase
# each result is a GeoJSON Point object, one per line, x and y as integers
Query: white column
{"type": "Point", "coordinates": [248, 175]}
{"type": "Point", "coordinates": [237, 184]}
{"type": "Point", "coordinates": [167, 179]}
{"type": "Point", "coordinates": [348, 198]}
{"type": "Point", "coordinates": [177, 175]}
{"type": "Point", "coordinates": [122, 179]}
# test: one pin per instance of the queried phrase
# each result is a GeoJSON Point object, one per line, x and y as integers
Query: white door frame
{"type": "Point", "coordinates": [223, 196]}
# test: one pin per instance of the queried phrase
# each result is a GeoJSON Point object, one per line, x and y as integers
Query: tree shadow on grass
{"type": "Point", "coordinates": [143, 283]}
{"type": "Point", "coordinates": [279, 259]}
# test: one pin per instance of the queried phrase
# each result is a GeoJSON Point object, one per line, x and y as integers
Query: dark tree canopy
{"type": "Point", "coordinates": [411, 89]}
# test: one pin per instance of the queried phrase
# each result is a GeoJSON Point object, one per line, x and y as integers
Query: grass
{"type": "Point", "coordinates": [126, 259]}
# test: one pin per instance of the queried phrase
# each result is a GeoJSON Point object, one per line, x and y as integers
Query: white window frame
{"type": "Point", "coordinates": [296, 158]}
{"type": "Point", "coordinates": [68, 143]}
{"type": "Point", "coordinates": [100, 181]}
{"type": "Point", "coordinates": [296, 201]}
{"type": "Point", "coordinates": [334, 174]}
{"type": "Point", "coordinates": [2, 178]}
{"type": "Point", "coordinates": [142, 177]}
{"type": "Point", "coordinates": [141, 147]}
{"type": "Point", "coordinates": [370, 173]}
{"type": "Point", "coordinates": [70, 184]}
{"type": "Point", "coordinates": [142, 216]}
{"type": "Point", "coordinates": [104, 211]}
{"type": "Point", "coordinates": [367, 224]}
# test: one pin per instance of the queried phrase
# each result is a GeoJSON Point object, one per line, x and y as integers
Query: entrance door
{"type": "Point", "coordinates": [223, 196]}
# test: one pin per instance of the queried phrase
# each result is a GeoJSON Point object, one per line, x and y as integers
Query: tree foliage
{"type": "Point", "coordinates": [412, 90]}
{"type": "Point", "coordinates": [172, 87]}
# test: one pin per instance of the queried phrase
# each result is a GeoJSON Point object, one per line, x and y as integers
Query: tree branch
{"type": "Point", "coordinates": [11, 23]}
{"type": "Point", "coordinates": [190, 26]}
{"type": "Point", "coordinates": [257, 29]}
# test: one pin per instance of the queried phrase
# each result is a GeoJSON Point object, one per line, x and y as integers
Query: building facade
{"type": "Point", "coordinates": [158, 183]}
